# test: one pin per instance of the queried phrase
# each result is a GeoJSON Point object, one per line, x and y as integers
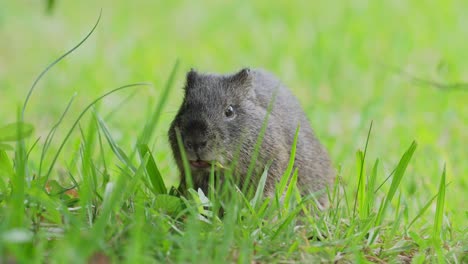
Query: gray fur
{"type": "Point", "coordinates": [209, 135]}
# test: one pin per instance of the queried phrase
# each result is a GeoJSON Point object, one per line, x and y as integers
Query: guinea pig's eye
{"type": "Point", "coordinates": [229, 112]}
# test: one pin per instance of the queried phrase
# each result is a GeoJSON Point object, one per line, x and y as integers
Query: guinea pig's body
{"type": "Point", "coordinates": [220, 120]}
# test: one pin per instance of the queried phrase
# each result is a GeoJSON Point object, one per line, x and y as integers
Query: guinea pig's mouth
{"type": "Point", "coordinates": [200, 164]}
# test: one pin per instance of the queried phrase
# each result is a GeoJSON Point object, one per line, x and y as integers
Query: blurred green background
{"type": "Point", "coordinates": [336, 56]}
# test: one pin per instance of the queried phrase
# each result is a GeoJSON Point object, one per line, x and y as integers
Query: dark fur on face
{"type": "Point", "coordinates": [214, 111]}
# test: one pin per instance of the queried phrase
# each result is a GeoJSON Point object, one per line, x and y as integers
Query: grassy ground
{"type": "Point", "coordinates": [337, 56]}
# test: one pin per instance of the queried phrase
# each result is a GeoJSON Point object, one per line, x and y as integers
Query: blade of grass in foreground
{"type": "Point", "coordinates": [6, 169]}
{"type": "Point", "coordinates": [153, 120]}
{"type": "Point", "coordinates": [399, 172]}
{"type": "Point", "coordinates": [89, 171]}
{"type": "Point", "coordinates": [6, 147]}
{"type": "Point", "coordinates": [88, 189]}
{"type": "Point", "coordinates": [153, 171]}
{"type": "Point", "coordinates": [422, 211]}
{"type": "Point", "coordinates": [439, 215]}
{"type": "Point", "coordinates": [360, 194]}
{"type": "Point", "coordinates": [10, 132]}
{"type": "Point", "coordinates": [371, 186]}
{"type": "Point", "coordinates": [289, 169]}
{"type": "Point", "coordinates": [114, 146]}
{"type": "Point", "coordinates": [281, 187]}
{"type": "Point", "coordinates": [289, 192]}
{"type": "Point", "coordinates": [361, 198]}
{"type": "Point", "coordinates": [437, 238]}
{"type": "Point", "coordinates": [260, 188]}
{"type": "Point", "coordinates": [185, 163]}
{"type": "Point", "coordinates": [19, 180]}
{"type": "Point", "coordinates": [105, 173]}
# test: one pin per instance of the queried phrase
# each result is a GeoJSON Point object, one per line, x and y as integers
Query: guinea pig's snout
{"type": "Point", "coordinates": [196, 145]}
{"type": "Point", "coordinates": [196, 136]}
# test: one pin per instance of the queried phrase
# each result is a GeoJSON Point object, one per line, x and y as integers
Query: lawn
{"type": "Point", "coordinates": [83, 187]}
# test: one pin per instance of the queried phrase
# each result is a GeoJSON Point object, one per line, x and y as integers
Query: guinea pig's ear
{"type": "Point", "coordinates": [244, 77]}
{"type": "Point", "coordinates": [192, 77]}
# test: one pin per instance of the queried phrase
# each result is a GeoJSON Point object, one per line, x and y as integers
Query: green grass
{"type": "Point", "coordinates": [101, 159]}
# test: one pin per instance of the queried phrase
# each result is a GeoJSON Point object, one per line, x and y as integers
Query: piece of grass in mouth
{"type": "Point", "coordinates": [219, 165]}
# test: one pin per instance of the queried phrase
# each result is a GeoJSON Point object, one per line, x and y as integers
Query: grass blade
{"type": "Point", "coordinates": [6, 168]}
{"type": "Point", "coordinates": [153, 171]}
{"type": "Point", "coordinates": [10, 132]}
{"type": "Point", "coordinates": [287, 174]}
{"type": "Point", "coordinates": [153, 120]}
{"type": "Point", "coordinates": [291, 187]}
{"type": "Point", "coordinates": [260, 187]}
{"type": "Point", "coordinates": [187, 173]}
{"type": "Point", "coordinates": [371, 186]}
{"type": "Point", "coordinates": [114, 147]}
{"type": "Point", "coordinates": [361, 190]}
{"type": "Point", "coordinates": [439, 215]}
{"type": "Point", "coordinates": [18, 180]}
{"type": "Point", "coordinates": [361, 171]}
{"type": "Point", "coordinates": [398, 175]}
{"type": "Point", "coordinates": [422, 211]}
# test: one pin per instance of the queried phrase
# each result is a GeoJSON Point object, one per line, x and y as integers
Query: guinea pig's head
{"type": "Point", "coordinates": [212, 117]}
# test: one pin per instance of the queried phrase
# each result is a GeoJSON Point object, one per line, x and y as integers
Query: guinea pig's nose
{"type": "Point", "coordinates": [196, 144]}
{"type": "Point", "coordinates": [196, 135]}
